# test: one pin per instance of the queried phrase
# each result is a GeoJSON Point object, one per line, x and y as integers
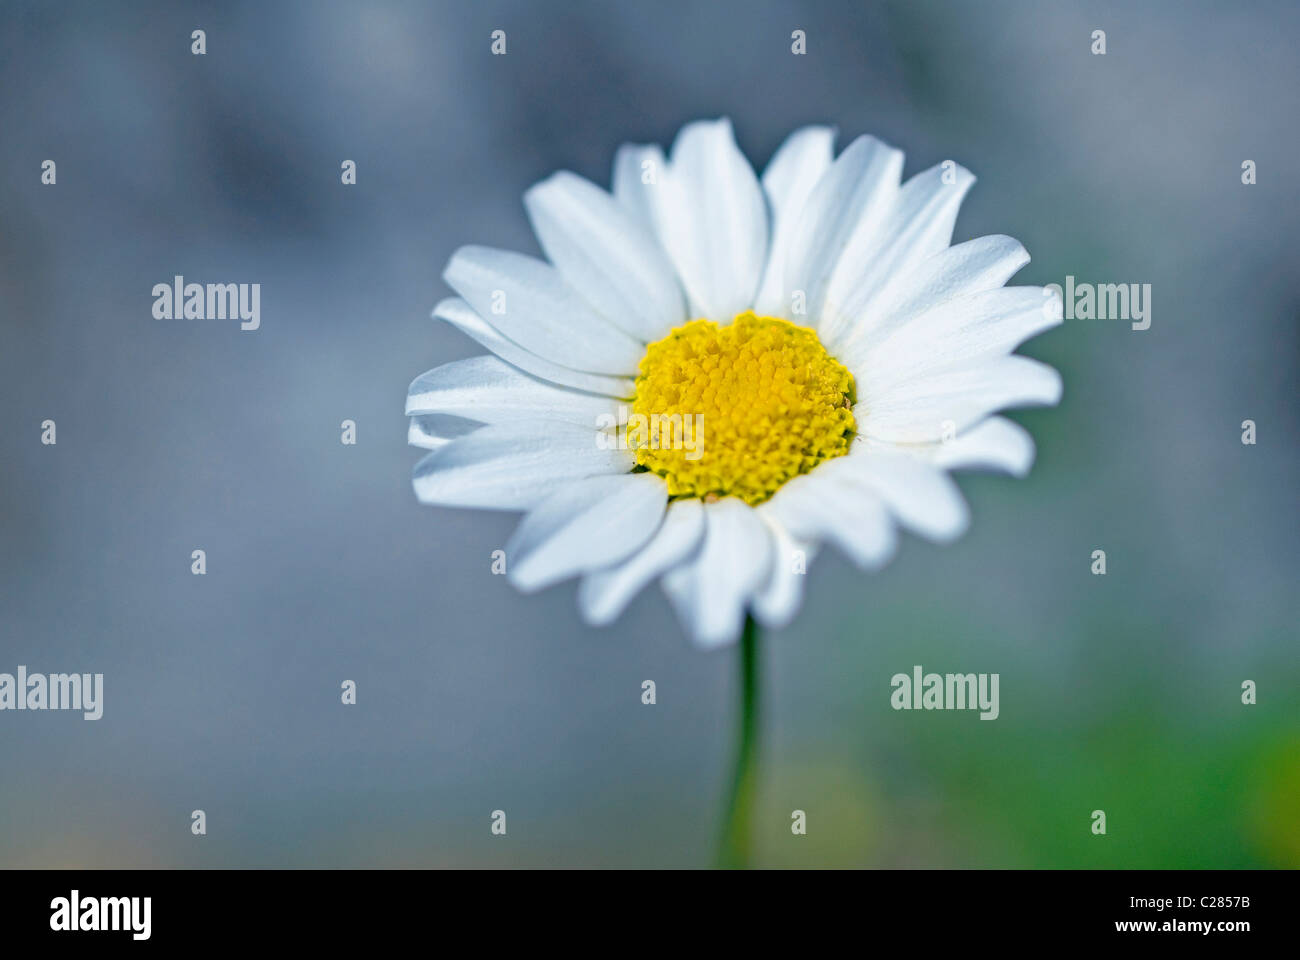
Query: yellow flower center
{"type": "Point", "coordinates": [738, 410]}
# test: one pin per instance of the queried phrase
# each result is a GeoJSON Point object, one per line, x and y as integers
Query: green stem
{"type": "Point", "coordinates": [737, 836]}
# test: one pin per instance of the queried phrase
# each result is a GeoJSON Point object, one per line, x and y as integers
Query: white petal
{"type": "Point", "coordinates": [513, 465]}
{"type": "Point", "coordinates": [605, 593]}
{"type": "Point", "coordinates": [821, 506]}
{"type": "Point", "coordinates": [539, 311]}
{"type": "Point", "coordinates": [606, 255]}
{"type": "Point", "coordinates": [957, 333]}
{"type": "Point", "coordinates": [778, 601]}
{"type": "Point", "coordinates": [490, 390]}
{"type": "Point", "coordinates": [923, 497]}
{"type": "Point", "coordinates": [995, 444]}
{"type": "Point", "coordinates": [711, 592]}
{"type": "Point", "coordinates": [432, 431]}
{"type": "Point", "coordinates": [638, 172]}
{"type": "Point", "coordinates": [712, 220]}
{"type": "Point", "coordinates": [919, 225]}
{"type": "Point", "coordinates": [984, 263]}
{"type": "Point", "coordinates": [850, 201]}
{"type": "Point", "coordinates": [790, 177]}
{"type": "Point", "coordinates": [923, 409]}
{"type": "Point", "coordinates": [585, 525]}
{"type": "Point", "coordinates": [462, 316]}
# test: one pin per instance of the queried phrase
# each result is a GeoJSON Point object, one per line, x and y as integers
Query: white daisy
{"type": "Point", "coordinates": [829, 355]}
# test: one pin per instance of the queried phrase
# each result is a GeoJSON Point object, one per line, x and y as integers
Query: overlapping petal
{"type": "Point", "coordinates": [710, 216]}
{"type": "Point", "coordinates": [514, 465]}
{"type": "Point", "coordinates": [794, 171]}
{"type": "Point", "coordinates": [585, 525]}
{"type": "Point", "coordinates": [463, 317]}
{"type": "Point", "coordinates": [527, 300]}
{"type": "Point", "coordinates": [712, 591]}
{"type": "Point", "coordinates": [606, 255]}
{"type": "Point", "coordinates": [605, 593]}
{"type": "Point", "coordinates": [489, 390]}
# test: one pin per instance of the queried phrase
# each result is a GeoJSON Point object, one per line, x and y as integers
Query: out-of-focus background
{"type": "Point", "coordinates": [222, 692]}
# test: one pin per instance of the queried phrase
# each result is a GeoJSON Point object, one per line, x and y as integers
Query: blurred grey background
{"type": "Point", "coordinates": [222, 692]}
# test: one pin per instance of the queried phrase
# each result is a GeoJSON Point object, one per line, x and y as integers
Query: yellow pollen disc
{"type": "Point", "coordinates": [738, 410]}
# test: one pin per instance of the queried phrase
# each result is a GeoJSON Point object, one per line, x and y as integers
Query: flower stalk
{"type": "Point", "coordinates": [737, 839]}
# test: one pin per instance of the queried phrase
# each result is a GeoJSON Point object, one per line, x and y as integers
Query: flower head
{"type": "Point", "coordinates": [714, 375]}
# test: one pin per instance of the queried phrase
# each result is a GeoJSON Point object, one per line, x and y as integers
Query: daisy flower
{"type": "Point", "coordinates": [713, 374]}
